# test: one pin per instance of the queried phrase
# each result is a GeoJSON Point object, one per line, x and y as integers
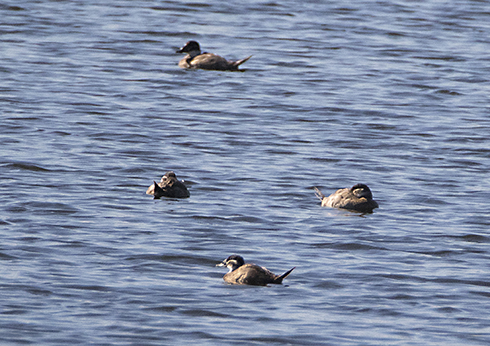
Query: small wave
{"type": "Point", "coordinates": [26, 167]}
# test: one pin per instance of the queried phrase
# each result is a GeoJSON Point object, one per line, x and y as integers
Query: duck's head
{"type": "Point", "coordinates": [168, 176]}
{"type": "Point", "coordinates": [232, 262]}
{"type": "Point", "coordinates": [362, 190]}
{"type": "Point", "coordinates": [191, 46]}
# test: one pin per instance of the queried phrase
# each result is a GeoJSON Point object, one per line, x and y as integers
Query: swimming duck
{"type": "Point", "coordinates": [249, 274]}
{"type": "Point", "coordinates": [358, 198]}
{"type": "Point", "coordinates": [169, 186]}
{"type": "Point", "coordinates": [206, 61]}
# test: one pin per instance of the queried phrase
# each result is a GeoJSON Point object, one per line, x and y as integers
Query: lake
{"type": "Point", "coordinates": [94, 109]}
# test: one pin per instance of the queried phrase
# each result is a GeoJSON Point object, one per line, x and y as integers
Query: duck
{"type": "Point", "coordinates": [169, 186]}
{"type": "Point", "coordinates": [206, 61]}
{"type": "Point", "coordinates": [242, 273]}
{"type": "Point", "coordinates": [356, 198]}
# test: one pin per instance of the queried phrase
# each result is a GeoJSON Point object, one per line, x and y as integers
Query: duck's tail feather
{"type": "Point", "coordinates": [283, 276]}
{"type": "Point", "coordinates": [319, 194]}
{"type": "Point", "coordinates": [239, 62]}
{"type": "Point", "coordinates": [157, 191]}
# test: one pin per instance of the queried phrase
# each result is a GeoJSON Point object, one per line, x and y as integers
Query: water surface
{"type": "Point", "coordinates": [94, 108]}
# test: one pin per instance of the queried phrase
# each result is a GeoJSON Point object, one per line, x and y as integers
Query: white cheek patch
{"type": "Point", "coordinates": [231, 264]}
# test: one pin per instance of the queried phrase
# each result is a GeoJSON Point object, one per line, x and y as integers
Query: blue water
{"type": "Point", "coordinates": [94, 108]}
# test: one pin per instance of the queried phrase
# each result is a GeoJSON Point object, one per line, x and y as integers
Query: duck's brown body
{"type": "Point", "coordinates": [169, 186]}
{"type": "Point", "coordinates": [249, 273]}
{"type": "Point", "coordinates": [207, 61]}
{"type": "Point", "coordinates": [357, 198]}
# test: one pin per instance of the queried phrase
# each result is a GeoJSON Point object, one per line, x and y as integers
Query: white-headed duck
{"type": "Point", "coordinates": [357, 197]}
{"type": "Point", "coordinates": [169, 186]}
{"type": "Point", "coordinates": [207, 61]}
{"type": "Point", "coordinates": [242, 273]}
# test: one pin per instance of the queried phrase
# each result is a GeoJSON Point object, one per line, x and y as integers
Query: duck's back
{"type": "Point", "coordinates": [250, 274]}
{"type": "Point", "coordinates": [345, 199]}
{"type": "Point", "coordinates": [208, 61]}
{"type": "Point", "coordinates": [176, 189]}
{"type": "Point", "coordinates": [338, 199]}
{"type": "Point", "coordinates": [172, 188]}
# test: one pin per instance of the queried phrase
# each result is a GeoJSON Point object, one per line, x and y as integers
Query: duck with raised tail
{"type": "Point", "coordinates": [206, 61]}
{"type": "Point", "coordinates": [357, 198]}
{"type": "Point", "coordinates": [169, 186]}
{"type": "Point", "coordinates": [242, 273]}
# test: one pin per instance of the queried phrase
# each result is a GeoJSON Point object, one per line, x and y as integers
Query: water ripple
{"type": "Point", "coordinates": [392, 94]}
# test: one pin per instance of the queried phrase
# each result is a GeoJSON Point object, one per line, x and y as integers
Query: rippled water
{"type": "Point", "coordinates": [94, 108]}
